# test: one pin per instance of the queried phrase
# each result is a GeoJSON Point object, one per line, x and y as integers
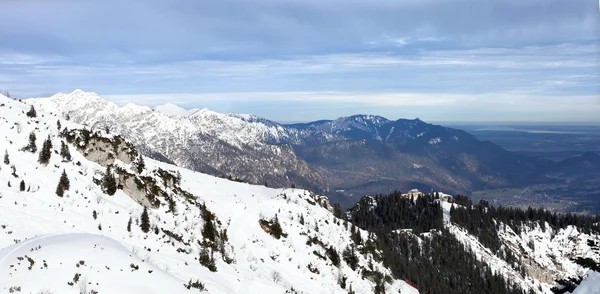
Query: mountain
{"type": "Point", "coordinates": [365, 154]}
{"type": "Point", "coordinates": [587, 162]}
{"type": "Point", "coordinates": [82, 212]}
{"type": "Point", "coordinates": [479, 248]}
{"type": "Point", "coordinates": [125, 223]}
{"type": "Point", "coordinates": [344, 159]}
{"type": "Point", "coordinates": [201, 140]}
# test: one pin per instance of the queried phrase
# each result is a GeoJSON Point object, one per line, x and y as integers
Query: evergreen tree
{"type": "Point", "coordinates": [109, 183]}
{"type": "Point", "coordinates": [337, 210]}
{"type": "Point", "coordinates": [145, 221]}
{"type": "Point", "coordinates": [31, 112]}
{"type": "Point", "coordinates": [129, 225]}
{"type": "Point", "coordinates": [22, 186]}
{"type": "Point", "coordinates": [140, 164]}
{"type": "Point", "coordinates": [58, 125]}
{"type": "Point", "coordinates": [64, 151]}
{"type": "Point", "coordinates": [63, 184]}
{"type": "Point", "coordinates": [6, 159]}
{"type": "Point", "coordinates": [31, 146]}
{"type": "Point", "coordinates": [45, 152]}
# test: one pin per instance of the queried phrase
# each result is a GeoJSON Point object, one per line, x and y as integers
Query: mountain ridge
{"type": "Point", "coordinates": [359, 154]}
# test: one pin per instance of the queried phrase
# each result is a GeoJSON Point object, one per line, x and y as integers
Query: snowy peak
{"type": "Point", "coordinates": [174, 110]}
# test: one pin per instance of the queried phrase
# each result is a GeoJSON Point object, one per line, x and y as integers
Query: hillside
{"type": "Point", "coordinates": [131, 224]}
{"type": "Point", "coordinates": [477, 248]}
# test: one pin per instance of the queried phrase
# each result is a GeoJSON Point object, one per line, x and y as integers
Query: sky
{"type": "Point", "coordinates": [302, 60]}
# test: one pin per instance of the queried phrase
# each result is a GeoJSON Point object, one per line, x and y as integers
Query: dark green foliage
{"type": "Point", "coordinates": [22, 186]}
{"type": "Point", "coordinates": [484, 221]}
{"type": "Point", "coordinates": [31, 112]}
{"type": "Point", "coordinates": [209, 232]}
{"type": "Point", "coordinates": [333, 256]}
{"type": "Point", "coordinates": [45, 152]}
{"type": "Point", "coordinates": [439, 264]}
{"type": "Point", "coordinates": [195, 285]}
{"type": "Point", "coordinates": [350, 257]}
{"type": "Point", "coordinates": [588, 263]}
{"type": "Point", "coordinates": [109, 183]}
{"type": "Point", "coordinates": [6, 158]}
{"type": "Point", "coordinates": [129, 225]}
{"type": "Point", "coordinates": [64, 151]}
{"type": "Point", "coordinates": [145, 221]}
{"type": "Point", "coordinates": [337, 210]}
{"type": "Point", "coordinates": [140, 164]}
{"type": "Point", "coordinates": [206, 259]}
{"type": "Point", "coordinates": [394, 212]}
{"type": "Point", "coordinates": [100, 227]}
{"type": "Point", "coordinates": [31, 146]}
{"type": "Point", "coordinates": [273, 227]}
{"type": "Point", "coordinates": [94, 214]}
{"type": "Point", "coordinates": [63, 184]}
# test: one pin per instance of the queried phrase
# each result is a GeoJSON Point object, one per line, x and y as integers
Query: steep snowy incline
{"type": "Point", "coordinates": [220, 233]}
{"type": "Point", "coordinates": [203, 140]}
{"type": "Point", "coordinates": [546, 255]}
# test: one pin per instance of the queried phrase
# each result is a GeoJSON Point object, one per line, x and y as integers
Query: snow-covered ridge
{"type": "Point", "coordinates": [47, 242]}
{"type": "Point", "coordinates": [202, 140]}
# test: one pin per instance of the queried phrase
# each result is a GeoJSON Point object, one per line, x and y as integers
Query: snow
{"type": "Point", "coordinates": [64, 230]}
{"type": "Point", "coordinates": [591, 285]}
{"type": "Point", "coordinates": [174, 110]}
{"type": "Point", "coordinates": [106, 265]}
{"type": "Point", "coordinates": [435, 141]}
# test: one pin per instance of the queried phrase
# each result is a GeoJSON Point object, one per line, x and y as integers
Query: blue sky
{"type": "Point", "coordinates": [300, 60]}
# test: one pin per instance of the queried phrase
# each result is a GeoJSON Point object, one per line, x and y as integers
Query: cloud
{"type": "Point", "coordinates": [160, 29]}
{"type": "Point", "coordinates": [355, 52]}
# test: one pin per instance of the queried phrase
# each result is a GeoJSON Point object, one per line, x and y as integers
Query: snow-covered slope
{"type": "Point", "coordinates": [545, 255]}
{"type": "Point", "coordinates": [201, 228]}
{"type": "Point", "coordinates": [201, 140]}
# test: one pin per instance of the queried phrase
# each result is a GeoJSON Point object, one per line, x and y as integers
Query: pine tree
{"type": "Point", "coordinates": [6, 159]}
{"type": "Point", "coordinates": [31, 112]}
{"type": "Point", "coordinates": [145, 221]}
{"type": "Point", "coordinates": [45, 152]}
{"type": "Point", "coordinates": [140, 164]}
{"type": "Point", "coordinates": [58, 125]}
{"type": "Point", "coordinates": [129, 225]}
{"type": "Point", "coordinates": [22, 186]}
{"type": "Point", "coordinates": [31, 147]}
{"type": "Point", "coordinates": [109, 183]}
{"type": "Point", "coordinates": [64, 151]}
{"type": "Point", "coordinates": [63, 184]}
{"type": "Point", "coordinates": [337, 210]}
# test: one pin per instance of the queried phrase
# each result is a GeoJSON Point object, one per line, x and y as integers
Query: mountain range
{"type": "Point", "coordinates": [344, 158]}
{"type": "Point", "coordinates": [126, 223]}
